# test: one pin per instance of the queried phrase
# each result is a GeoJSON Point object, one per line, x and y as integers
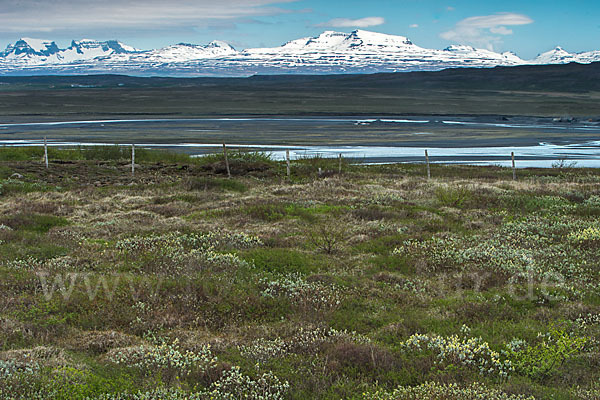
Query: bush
{"type": "Point", "coordinates": [436, 391]}
{"type": "Point", "coordinates": [166, 359]}
{"type": "Point", "coordinates": [267, 212]}
{"type": "Point", "coordinates": [34, 222]}
{"type": "Point", "coordinates": [237, 156]}
{"type": "Point", "coordinates": [327, 236]}
{"type": "Point", "coordinates": [282, 260]}
{"type": "Point", "coordinates": [538, 361]}
{"type": "Point", "coordinates": [216, 184]}
{"type": "Point", "coordinates": [364, 357]}
{"type": "Point", "coordinates": [452, 196]}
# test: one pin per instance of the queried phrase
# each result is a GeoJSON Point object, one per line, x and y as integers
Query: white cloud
{"type": "Point", "coordinates": [501, 30]}
{"type": "Point", "coordinates": [354, 23]}
{"type": "Point", "coordinates": [22, 16]}
{"type": "Point", "coordinates": [483, 31]}
{"type": "Point", "coordinates": [414, 26]}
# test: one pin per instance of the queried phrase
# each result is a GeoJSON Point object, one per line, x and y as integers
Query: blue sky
{"type": "Point", "coordinates": [527, 27]}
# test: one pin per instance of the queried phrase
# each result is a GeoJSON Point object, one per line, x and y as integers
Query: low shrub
{"type": "Point", "coordinates": [551, 352]}
{"type": "Point", "coordinates": [452, 196]}
{"type": "Point", "coordinates": [209, 183]}
{"type": "Point", "coordinates": [282, 260]}
{"type": "Point", "coordinates": [436, 391]}
{"type": "Point", "coordinates": [40, 223]}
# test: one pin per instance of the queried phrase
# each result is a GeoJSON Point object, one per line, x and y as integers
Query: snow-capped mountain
{"type": "Point", "coordinates": [559, 55]}
{"type": "Point", "coordinates": [28, 48]}
{"type": "Point", "coordinates": [336, 42]}
{"type": "Point", "coordinates": [27, 52]}
{"type": "Point", "coordinates": [182, 52]}
{"type": "Point", "coordinates": [329, 53]}
{"type": "Point", "coordinates": [364, 51]}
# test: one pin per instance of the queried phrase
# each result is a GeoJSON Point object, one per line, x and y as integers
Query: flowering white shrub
{"type": "Point", "coordinates": [534, 246]}
{"type": "Point", "coordinates": [587, 321]}
{"type": "Point", "coordinates": [309, 340]}
{"type": "Point", "coordinates": [191, 241]}
{"type": "Point", "coordinates": [384, 199]}
{"type": "Point", "coordinates": [305, 341]}
{"type": "Point", "coordinates": [470, 352]}
{"type": "Point", "coordinates": [234, 385]}
{"type": "Point", "coordinates": [300, 292]}
{"type": "Point", "coordinates": [263, 349]}
{"type": "Point", "coordinates": [516, 345]}
{"type": "Point", "coordinates": [166, 357]}
{"type": "Point", "coordinates": [415, 286]}
{"type": "Point", "coordinates": [160, 393]}
{"type": "Point", "coordinates": [593, 201]}
{"type": "Point", "coordinates": [9, 368]}
{"type": "Point", "coordinates": [177, 253]}
{"type": "Point", "coordinates": [215, 259]}
{"type": "Point", "coordinates": [590, 234]}
{"type": "Point", "coordinates": [53, 264]}
{"type": "Point", "coordinates": [29, 263]}
{"type": "Point", "coordinates": [590, 393]}
{"type": "Point", "coordinates": [436, 391]}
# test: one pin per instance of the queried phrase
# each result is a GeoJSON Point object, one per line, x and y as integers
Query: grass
{"type": "Point", "coordinates": [94, 153]}
{"type": "Point", "coordinates": [316, 287]}
{"type": "Point", "coordinates": [284, 261]}
{"type": "Point", "coordinates": [210, 183]}
{"type": "Point", "coordinates": [238, 156]}
{"type": "Point", "coordinates": [33, 222]}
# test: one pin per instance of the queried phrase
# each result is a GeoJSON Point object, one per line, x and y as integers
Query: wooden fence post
{"type": "Point", "coordinates": [287, 161]}
{"type": "Point", "coordinates": [132, 159]}
{"type": "Point", "coordinates": [340, 166]}
{"type": "Point", "coordinates": [226, 160]}
{"type": "Point", "coordinates": [428, 166]}
{"type": "Point", "coordinates": [514, 168]}
{"type": "Point", "coordinates": [46, 152]}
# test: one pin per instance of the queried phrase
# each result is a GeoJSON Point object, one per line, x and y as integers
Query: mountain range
{"type": "Point", "coordinates": [329, 53]}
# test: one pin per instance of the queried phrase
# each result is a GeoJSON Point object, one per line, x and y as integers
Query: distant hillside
{"type": "Point", "coordinates": [571, 77]}
{"type": "Point", "coordinates": [548, 90]}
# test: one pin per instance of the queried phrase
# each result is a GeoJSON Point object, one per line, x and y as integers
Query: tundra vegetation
{"type": "Point", "coordinates": [178, 283]}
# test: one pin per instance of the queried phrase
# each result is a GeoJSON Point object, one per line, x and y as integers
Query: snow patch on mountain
{"type": "Point", "coordinates": [38, 45]}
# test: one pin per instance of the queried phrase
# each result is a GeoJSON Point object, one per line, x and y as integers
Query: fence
{"type": "Point", "coordinates": [287, 161]}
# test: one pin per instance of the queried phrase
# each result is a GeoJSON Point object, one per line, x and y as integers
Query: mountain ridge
{"type": "Point", "coordinates": [331, 52]}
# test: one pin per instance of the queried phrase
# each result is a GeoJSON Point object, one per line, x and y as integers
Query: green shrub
{"type": "Point", "coordinates": [21, 153]}
{"type": "Point", "coordinates": [243, 156]}
{"type": "Point", "coordinates": [9, 186]}
{"type": "Point", "coordinates": [554, 348]}
{"type": "Point", "coordinates": [94, 153]}
{"type": "Point", "coordinates": [283, 260]}
{"type": "Point", "coordinates": [267, 212]}
{"type": "Point", "coordinates": [452, 196]}
{"type": "Point", "coordinates": [5, 172]}
{"type": "Point", "coordinates": [40, 223]}
{"type": "Point", "coordinates": [436, 391]}
{"type": "Point", "coordinates": [209, 183]}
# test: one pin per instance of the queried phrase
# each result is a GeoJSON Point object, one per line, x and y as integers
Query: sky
{"type": "Point", "coordinates": [527, 27]}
